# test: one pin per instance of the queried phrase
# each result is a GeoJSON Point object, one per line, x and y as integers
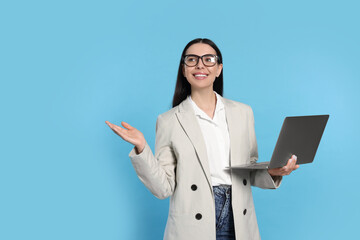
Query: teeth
{"type": "Point", "coordinates": [200, 75]}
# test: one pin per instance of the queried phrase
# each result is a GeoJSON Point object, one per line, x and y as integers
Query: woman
{"type": "Point", "coordinates": [195, 141]}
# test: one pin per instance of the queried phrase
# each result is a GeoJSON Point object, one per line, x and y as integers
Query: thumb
{"type": "Point", "coordinates": [126, 125]}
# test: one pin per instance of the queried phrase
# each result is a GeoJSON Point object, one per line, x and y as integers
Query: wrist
{"type": "Point", "coordinates": [139, 149]}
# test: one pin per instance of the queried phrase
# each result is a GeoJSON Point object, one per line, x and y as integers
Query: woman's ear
{"type": "Point", "coordinates": [183, 69]}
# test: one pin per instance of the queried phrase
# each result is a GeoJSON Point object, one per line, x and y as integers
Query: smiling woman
{"type": "Point", "coordinates": [201, 74]}
{"type": "Point", "coordinates": [202, 46]}
{"type": "Point", "coordinates": [196, 140]}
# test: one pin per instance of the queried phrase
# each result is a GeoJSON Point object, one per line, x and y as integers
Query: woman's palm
{"type": "Point", "coordinates": [129, 134]}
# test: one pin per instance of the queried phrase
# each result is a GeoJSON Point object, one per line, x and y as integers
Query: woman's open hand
{"type": "Point", "coordinates": [285, 170]}
{"type": "Point", "coordinates": [129, 134]}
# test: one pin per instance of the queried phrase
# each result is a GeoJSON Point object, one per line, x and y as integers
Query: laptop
{"type": "Point", "coordinates": [299, 136]}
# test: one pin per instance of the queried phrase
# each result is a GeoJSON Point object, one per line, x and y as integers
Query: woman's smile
{"type": "Point", "coordinates": [200, 75]}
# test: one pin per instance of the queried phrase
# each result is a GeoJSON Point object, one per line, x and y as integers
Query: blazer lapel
{"type": "Point", "coordinates": [189, 123]}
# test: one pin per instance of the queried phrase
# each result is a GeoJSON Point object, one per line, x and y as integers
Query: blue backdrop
{"type": "Point", "coordinates": [67, 66]}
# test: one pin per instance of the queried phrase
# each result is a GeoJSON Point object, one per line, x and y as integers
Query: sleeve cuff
{"type": "Point", "coordinates": [263, 179]}
{"type": "Point", "coordinates": [276, 180]}
{"type": "Point", "coordinates": [139, 157]}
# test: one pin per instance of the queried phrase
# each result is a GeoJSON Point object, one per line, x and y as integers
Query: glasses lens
{"type": "Point", "coordinates": [209, 60]}
{"type": "Point", "coordinates": [191, 60]}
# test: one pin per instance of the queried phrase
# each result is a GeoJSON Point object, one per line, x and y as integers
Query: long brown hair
{"type": "Point", "coordinates": [183, 87]}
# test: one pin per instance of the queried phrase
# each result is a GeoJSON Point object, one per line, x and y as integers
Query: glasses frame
{"type": "Point", "coordinates": [201, 57]}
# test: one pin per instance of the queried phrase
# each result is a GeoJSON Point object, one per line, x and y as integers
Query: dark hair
{"type": "Point", "coordinates": [183, 87]}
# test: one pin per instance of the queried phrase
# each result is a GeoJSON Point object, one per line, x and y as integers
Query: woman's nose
{"type": "Point", "coordinates": [200, 64]}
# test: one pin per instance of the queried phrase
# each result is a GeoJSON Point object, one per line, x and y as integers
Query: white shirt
{"type": "Point", "coordinates": [217, 140]}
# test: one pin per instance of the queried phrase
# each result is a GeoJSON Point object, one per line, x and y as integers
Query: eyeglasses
{"type": "Point", "coordinates": [208, 60]}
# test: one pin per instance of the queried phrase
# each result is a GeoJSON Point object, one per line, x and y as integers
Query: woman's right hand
{"type": "Point", "coordinates": [129, 134]}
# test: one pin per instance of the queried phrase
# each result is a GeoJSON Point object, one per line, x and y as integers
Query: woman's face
{"type": "Point", "coordinates": [201, 76]}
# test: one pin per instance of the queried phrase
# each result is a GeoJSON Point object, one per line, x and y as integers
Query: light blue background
{"type": "Point", "coordinates": [67, 66]}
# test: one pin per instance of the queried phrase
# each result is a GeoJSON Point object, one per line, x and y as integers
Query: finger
{"type": "Point", "coordinates": [115, 127]}
{"type": "Point", "coordinates": [290, 164]}
{"type": "Point", "coordinates": [293, 167]}
{"type": "Point", "coordinates": [126, 125]}
{"type": "Point", "coordinates": [119, 129]}
{"type": "Point", "coordinates": [294, 162]}
{"type": "Point", "coordinates": [287, 168]}
{"type": "Point", "coordinates": [281, 172]}
{"type": "Point", "coordinates": [109, 124]}
{"type": "Point", "coordinates": [278, 171]}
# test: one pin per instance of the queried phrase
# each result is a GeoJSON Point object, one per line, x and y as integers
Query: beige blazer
{"type": "Point", "coordinates": [180, 170]}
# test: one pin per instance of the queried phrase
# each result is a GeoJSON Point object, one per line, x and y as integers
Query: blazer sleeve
{"type": "Point", "coordinates": [157, 172]}
{"type": "Point", "coordinates": [261, 177]}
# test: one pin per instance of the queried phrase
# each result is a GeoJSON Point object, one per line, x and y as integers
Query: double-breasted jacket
{"type": "Point", "coordinates": [180, 170]}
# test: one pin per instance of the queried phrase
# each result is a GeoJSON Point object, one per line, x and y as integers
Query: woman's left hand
{"type": "Point", "coordinates": [285, 170]}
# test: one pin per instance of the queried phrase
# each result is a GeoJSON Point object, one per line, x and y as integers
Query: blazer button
{"type": "Point", "coordinates": [198, 216]}
{"type": "Point", "coordinates": [245, 182]}
{"type": "Point", "coordinates": [193, 187]}
{"type": "Point", "coordinates": [244, 212]}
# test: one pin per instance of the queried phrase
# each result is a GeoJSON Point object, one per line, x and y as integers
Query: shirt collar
{"type": "Point", "coordinates": [219, 106]}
